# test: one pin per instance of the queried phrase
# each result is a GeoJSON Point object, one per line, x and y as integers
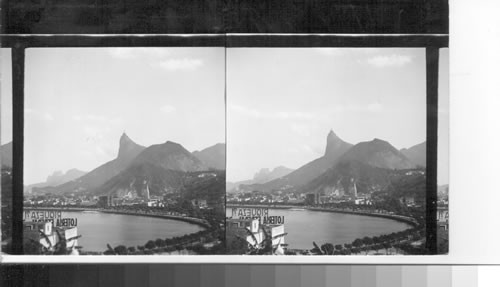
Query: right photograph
{"type": "Point", "coordinates": [326, 151]}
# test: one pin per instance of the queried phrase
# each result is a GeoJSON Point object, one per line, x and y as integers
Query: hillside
{"type": "Point", "coordinates": [378, 153]}
{"type": "Point", "coordinates": [335, 148]}
{"type": "Point", "coordinates": [213, 157]}
{"type": "Point", "coordinates": [127, 151]}
{"type": "Point", "coordinates": [417, 154]}
{"type": "Point", "coordinates": [170, 155]}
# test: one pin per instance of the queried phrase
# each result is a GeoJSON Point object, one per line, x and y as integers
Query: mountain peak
{"type": "Point", "coordinates": [377, 140]}
{"type": "Point", "coordinates": [335, 146]}
{"type": "Point", "coordinates": [213, 156]}
{"type": "Point", "coordinates": [377, 153]}
{"type": "Point", "coordinates": [128, 147]}
{"type": "Point", "coordinates": [170, 155]}
{"type": "Point", "coordinates": [171, 143]}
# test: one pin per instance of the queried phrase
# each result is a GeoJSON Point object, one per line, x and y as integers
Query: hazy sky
{"type": "Point", "coordinates": [283, 102]}
{"type": "Point", "coordinates": [5, 96]}
{"type": "Point", "coordinates": [80, 101]}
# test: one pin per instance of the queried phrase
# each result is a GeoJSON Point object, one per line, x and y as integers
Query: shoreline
{"type": "Point", "coordinates": [192, 220]}
{"type": "Point", "coordinates": [400, 218]}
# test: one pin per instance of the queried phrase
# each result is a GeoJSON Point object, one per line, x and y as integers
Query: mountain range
{"type": "Point", "coordinates": [57, 178]}
{"type": "Point", "coordinates": [369, 164]}
{"type": "Point", "coordinates": [335, 147]}
{"type": "Point", "coordinates": [213, 157]}
{"type": "Point", "coordinates": [159, 168]}
{"type": "Point", "coordinates": [262, 176]}
{"type": "Point", "coordinates": [416, 154]}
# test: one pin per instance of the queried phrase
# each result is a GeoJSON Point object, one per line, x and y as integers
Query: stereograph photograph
{"type": "Point", "coordinates": [123, 153]}
{"type": "Point", "coordinates": [327, 151]}
{"type": "Point", "coordinates": [234, 144]}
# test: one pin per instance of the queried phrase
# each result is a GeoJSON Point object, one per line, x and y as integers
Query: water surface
{"type": "Point", "coordinates": [98, 229]}
{"type": "Point", "coordinates": [305, 226]}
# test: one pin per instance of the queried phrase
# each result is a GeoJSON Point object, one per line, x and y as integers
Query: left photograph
{"type": "Point", "coordinates": [124, 151]}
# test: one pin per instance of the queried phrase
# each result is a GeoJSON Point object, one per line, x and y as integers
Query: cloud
{"type": "Point", "coordinates": [184, 64]}
{"type": "Point", "coordinates": [48, 117]}
{"type": "Point", "coordinates": [276, 115]}
{"type": "Point", "coordinates": [295, 115]}
{"type": "Point", "coordinates": [301, 149]}
{"type": "Point", "coordinates": [246, 111]}
{"type": "Point", "coordinates": [374, 107]}
{"type": "Point", "coordinates": [393, 60]}
{"type": "Point", "coordinates": [167, 109]}
{"type": "Point", "coordinates": [157, 58]}
{"type": "Point", "coordinates": [371, 107]}
{"type": "Point", "coordinates": [97, 118]}
{"type": "Point", "coordinates": [301, 129]}
{"type": "Point", "coordinates": [134, 53]}
{"type": "Point", "coordinates": [329, 51]}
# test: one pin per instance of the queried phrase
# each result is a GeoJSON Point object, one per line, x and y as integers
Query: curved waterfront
{"type": "Point", "coordinates": [100, 228]}
{"type": "Point", "coordinates": [305, 226]}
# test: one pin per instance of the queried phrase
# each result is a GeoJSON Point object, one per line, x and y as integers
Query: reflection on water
{"type": "Point", "coordinates": [98, 229]}
{"type": "Point", "coordinates": [304, 227]}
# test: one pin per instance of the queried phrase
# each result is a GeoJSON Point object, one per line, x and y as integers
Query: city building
{"type": "Point", "coordinates": [311, 199]}
{"type": "Point", "coordinates": [442, 229]}
{"type": "Point", "coordinates": [200, 203]}
{"type": "Point", "coordinates": [103, 201]}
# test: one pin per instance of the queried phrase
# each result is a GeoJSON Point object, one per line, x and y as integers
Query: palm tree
{"type": "Point", "coordinates": [316, 250]}
{"type": "Point", "coordinates": [60, 248]}
{"type": "Point", "coordinates": [254, 246]}
{"type": "Point", "coordinates": [263, 247]}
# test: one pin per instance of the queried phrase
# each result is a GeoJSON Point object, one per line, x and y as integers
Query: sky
{"type": "Point", "coordinates": [78, 102]}
{"type": "Point", "coordinates": [282, 102]}
{"type": "Point", "coordinates": [5, 96]}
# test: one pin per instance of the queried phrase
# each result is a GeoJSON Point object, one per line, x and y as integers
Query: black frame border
{"type": "Point", "coordinates": [432, 44]}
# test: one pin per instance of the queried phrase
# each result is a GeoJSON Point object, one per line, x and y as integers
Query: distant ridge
{"type": "Point", "coordinates": [57, 178]}
{"type": "Point", "coordinates": [371, 160]}
{"type": "Point", "coordinates": [417, 154]}
{"type": "Point", "coordinates": [127, 151]}
{"type": "Point", "coordinates": [335, 148]}
{"type": "Point", "coordinates": [170, 155]}
{"type": "Point", "coordinates": [378, 153]}
{"type": "Point", "coordinates": [213, 156]}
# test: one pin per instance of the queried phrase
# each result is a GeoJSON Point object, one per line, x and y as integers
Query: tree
{"type": "Point", "coordinates": [357, 243]}
{"type": "Point", "coordinates": [316, 250]}
{"type": "Point", "coordinates": [386, 245]}
{"type": "Point", "coordinates": [327, 249]}
{"type": "Point", "coordinates": [131, 249]}
{"type": "Point", "coordinates": [338, 247]}
{"type": "Point", "coordinates": [121, 250]}
{"type": "Point", "coordinates": [150, 244]}
{"type": "Point", "coordinates": [159, 242]}
{"type": "Point", "coordinates": [110, 250]}
{"type": "Point", "coordinates": [367, 241]}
